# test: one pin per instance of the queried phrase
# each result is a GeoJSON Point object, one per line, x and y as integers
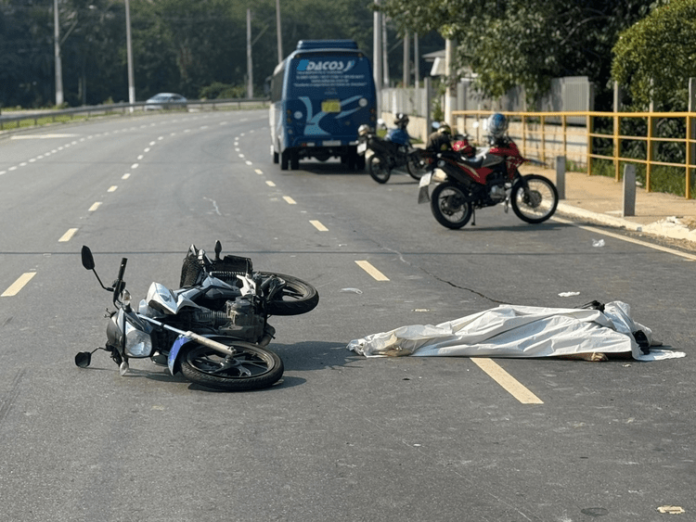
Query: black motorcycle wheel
{"type": "Point", "coordinates": [250, 368]}
{"type": "Point", "coordinates": [416, 165]}
{"type": "Point", "coordinates": [378, 169]}
{"type": "Point", "coordinates": [538, 202]}
{"type": "Point", "coordinates": [298, 297]}
{"type": "Point", "coordinates": [449, 206]}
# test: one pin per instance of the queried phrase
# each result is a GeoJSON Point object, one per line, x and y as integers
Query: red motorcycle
{"type": "Point", "coordinates": [484, 180]}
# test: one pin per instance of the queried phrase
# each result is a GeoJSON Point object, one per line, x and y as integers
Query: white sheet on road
{"type": "Point", "coordinates": [518, 331]}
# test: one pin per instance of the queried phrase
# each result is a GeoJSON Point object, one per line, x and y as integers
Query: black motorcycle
{"type": "Point", "coordinates": [214, 329]}
{"type": "Point", "coordinates": [387, 155]}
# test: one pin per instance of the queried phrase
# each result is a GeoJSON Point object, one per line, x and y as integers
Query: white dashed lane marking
{"type": "Point", "coordinates": [18, 284]}
{"type": "Point", "coordinates": [376, 274]}
{"type": "Point", "coordinates": [67, 236]}
{"type": "Point", "coordinates": [318, 225]}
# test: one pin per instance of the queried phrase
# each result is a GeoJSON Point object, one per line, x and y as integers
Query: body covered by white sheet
{"type": "Point", "coordinates": [518, 331]}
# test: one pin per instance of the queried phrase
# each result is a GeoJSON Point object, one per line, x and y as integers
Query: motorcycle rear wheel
{"type": "Point", "coordinates": [379, 171]}
{"type": "Point", "coordinates": [538, 203]}
{"type": "Point", "coordinates": [449, 206]}
{"type": "Point", "coordinates": [251, 368]}
{"type": "Point", "coordinates": [416, 165]}
{"type": "Point", "coordinates": [298, 296]}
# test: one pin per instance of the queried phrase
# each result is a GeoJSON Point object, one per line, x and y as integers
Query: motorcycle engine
{"type": "Point", "coordinates": [244, 322]}
{"type": "Point", "coordinates": [496, 184]}
{"type": "Point", "coordinates": [239, 320]}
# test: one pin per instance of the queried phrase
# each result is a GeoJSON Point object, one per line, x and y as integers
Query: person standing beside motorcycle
{"type": "Point", "coordinates": [399, 135]}
{"type": "Point", "coordinates": [441, 139]}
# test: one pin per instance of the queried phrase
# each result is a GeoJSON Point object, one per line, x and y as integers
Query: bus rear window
{"type": "Point", "coordinates": [329, 71]}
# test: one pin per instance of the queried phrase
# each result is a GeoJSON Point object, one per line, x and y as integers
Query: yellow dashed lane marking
{"type": "Point", "coordinates": [376, 274]}
{"type": "Point", "coordinates": [18, 284]}
{"type": "Point", "coordinates": [126, 176]}
{"type": "Point", "coordinates": [289, 200]}
{"type": "Point", "coordinates": [67, 236]}
{"type": "Point", "coordinates": [318, 225]}
{"type": "Point", "coordinates": [95, 206]}
{"type": "Point", "coordinates": [259, 171]}
{"type": "Point", "coordinates": [507, 381]}
{"type": "Point", "coordinates": [112, 188]}
{"type": "Point", "coordinates": [270, 184]}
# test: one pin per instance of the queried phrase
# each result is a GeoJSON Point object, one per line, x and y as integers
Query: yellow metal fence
{"type": "Point", "coordinates": [586, 136]}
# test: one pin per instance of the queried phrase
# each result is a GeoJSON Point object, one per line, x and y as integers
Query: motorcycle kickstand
{"type": "Point", "coordinates": [473, 218]}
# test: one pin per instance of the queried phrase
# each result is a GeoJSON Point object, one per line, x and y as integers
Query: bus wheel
{"type": "Point", "coordinates": [352, 157]}
{"type": "Point", "coordinates": [284, 160]}
{"type": "Point", "coordinates": [295, 161]}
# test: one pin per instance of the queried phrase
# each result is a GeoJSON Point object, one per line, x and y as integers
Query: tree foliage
{"type": "Point", "coordinates": [525, 42]}
{"type": "Point", "coordinates": [185, 46]}
{"type": "Point", "coordinates": [655, 57]}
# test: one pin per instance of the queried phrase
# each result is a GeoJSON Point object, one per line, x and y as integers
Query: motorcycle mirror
{"type": "Point", "coordinates": [218, 249]}
{"type": "Point", "coordinates": [83, 359]}
{"type": "Point", "coordinates": [87, 258]}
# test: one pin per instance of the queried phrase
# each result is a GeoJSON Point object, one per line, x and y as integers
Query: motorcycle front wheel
{"type": "Point", "coordinates": [250, 368]}
{"type": "Point", "coordinates": [297, 297]}
{"type": "Point", "coordinates": [378, 169]}
{"type": "Point", "coordinates": [537, 202]}
{"type": "Point", "coordinates": [449, 205]}
{"type": "Point", "coordinates": [416, 165]}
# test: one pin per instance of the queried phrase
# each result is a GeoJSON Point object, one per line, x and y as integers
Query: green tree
{"type": "Point", "coordinates": [525, 42]}
{"type": "Point", "coordinates": [655, 57]}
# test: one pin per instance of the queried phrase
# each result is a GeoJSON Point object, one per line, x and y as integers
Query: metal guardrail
{"type": "Point", "coordinates": [537, 133]}
{"type": "Point", "coordinates": [64, 115]}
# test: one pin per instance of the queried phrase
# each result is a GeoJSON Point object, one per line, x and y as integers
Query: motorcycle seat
{"type": "Point", "coordinates": [474, 163]}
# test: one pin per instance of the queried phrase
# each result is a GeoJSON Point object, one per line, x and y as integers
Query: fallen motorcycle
{"type": "Point", "coordinates": [489, 178]}
{"type": "Point", "coordinates": [213, 329]}
{"type": "Point", "coordinates": [387, 156]}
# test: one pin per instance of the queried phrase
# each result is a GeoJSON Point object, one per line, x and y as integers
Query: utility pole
{"type": "Point", "coordinates": [250, 68]}
{"type": "Point", "coordinates": [377, 49]}
{"type": "Point", "coordinates": [407, 59]}
{"type": "Point", "coordinates": [416, 60]}
{"type": "Point", "coordinates": [278, 30]}
{"type": "Point", "coordinates": [385, 50]}
{"type": "Point", "coordinates": [129, 49]}
{"type": "Point", "coordinates": [56, 52]}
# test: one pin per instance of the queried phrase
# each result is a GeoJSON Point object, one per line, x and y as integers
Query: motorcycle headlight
{"type": "Point", "coordinates": [441, 163]}
{"type": "Point", "coordinates": [125, 297]}
{"type": "Point", "coordinates": [363, 130]}
{"type": "Point", "coordinates": [138, 343]}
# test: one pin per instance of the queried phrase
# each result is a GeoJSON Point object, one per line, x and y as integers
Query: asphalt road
{"type": "Point", "coordinates": [343, 438]}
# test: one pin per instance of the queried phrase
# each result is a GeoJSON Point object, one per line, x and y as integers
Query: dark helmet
{"type": "Point", "coordinates": [444, 128]}
{"type": "Point", "coordinates": [497, 125]}
{"type": "Point", "coordinates": [401, 120]}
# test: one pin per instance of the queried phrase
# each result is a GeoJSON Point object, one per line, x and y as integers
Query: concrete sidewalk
{"type": "Point", "coordinates": [600, 199]}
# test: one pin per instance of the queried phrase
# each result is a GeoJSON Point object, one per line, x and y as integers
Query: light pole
{"type": "Point", "coordinates": [250, 67]}
{"type": "Point", "coordinates": [131, 85]}
{"type": "Point", "coordinates": [278, 30]}
{"type": "Point", "coordinates": [56, 52]}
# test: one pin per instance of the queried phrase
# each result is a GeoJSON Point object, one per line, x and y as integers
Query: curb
{"type": "Point", "coordinates": [669, 228]}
